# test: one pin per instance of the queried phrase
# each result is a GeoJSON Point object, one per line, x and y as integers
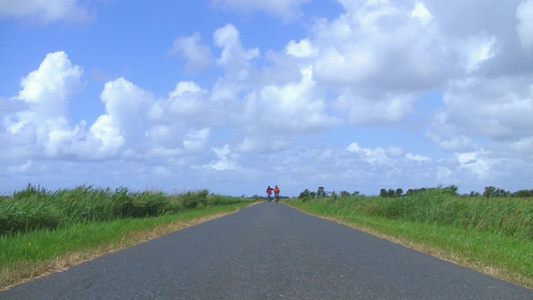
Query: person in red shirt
{"type": "Point", "coordinates": [269, 193]}
{"type": "Point", "coordinates": [276, 193]}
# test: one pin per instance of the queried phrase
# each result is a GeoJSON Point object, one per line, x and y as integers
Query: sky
{"type": "Point", "coordinates": [235, 95]}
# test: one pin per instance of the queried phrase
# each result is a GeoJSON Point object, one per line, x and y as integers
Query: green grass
{"type": "Point", "coordinates": [34, 208]}
{"type": "Point", "coordinates": [489, 235]}
{"type": "Point", "coordinates": [43, 231]}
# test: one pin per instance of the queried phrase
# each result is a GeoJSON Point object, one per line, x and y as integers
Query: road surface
{"type": "Point", "coordinates": [268, 251]}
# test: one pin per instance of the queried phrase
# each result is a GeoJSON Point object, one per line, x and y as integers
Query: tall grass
{"type": "Point", "coordinates": [511, 217]}
{"type": "Point", "coordinates": [35, 208]}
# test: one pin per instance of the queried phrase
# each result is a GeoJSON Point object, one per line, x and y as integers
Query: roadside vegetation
{"type": "Point", "coordinates": [492, 233]}
{"type": "Point", "coordinates": [43, 231]}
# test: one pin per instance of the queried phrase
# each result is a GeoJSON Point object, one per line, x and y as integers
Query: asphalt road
{"type": "Point", "coordinates": [268, 251]}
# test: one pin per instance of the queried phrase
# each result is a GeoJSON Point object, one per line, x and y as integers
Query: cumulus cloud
{"type": "Point", "coordinates": [188, 103]}
{"type": "Point", "coordinates": [46, 93]}
{"type": "Point", "coordinates": [498, 109]}
{"type": "Point", "coordinates": [225, 159]}
{"type": "Point", "coordinates": [300, 49]}
{"type": "Point", "coordinates": [44, 11]}
{"type": "Point", "coordinates": [480, 164]}
{"type": "Point", "coordinates": [196, 140]}
{"type": "Point", "coordinates": [476, 50]}
{"type": "Point", "coordinates": [134, 122]}
{"type": "Point", "coordinates": [381, 156]}
{"type": "Point", "coordinates": [382, 45]}
{"type": "Point", "coordinates": [287, 110]}
{"type": "Point", "coordinates": [365, 111]}
{"type": "Point", "coordinates": [524, 28]}
{"type": "Point", "coordinates": [422, 13]}
{"type": "Point", "coordinates": [197, 55]}
{"type": "Point", "coordinates": [233, 57]}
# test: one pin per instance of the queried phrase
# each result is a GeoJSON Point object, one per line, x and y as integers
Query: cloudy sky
{"type": "Point", "coordinates": [235, 95]}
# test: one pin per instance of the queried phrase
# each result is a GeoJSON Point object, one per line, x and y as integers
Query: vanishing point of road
{"type": "Point", "coordinates": [268, 251]}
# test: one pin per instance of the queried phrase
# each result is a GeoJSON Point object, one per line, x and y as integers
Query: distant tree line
{"type": "Point", "coordinates": [491, 191]}
{"type": "Point", "coordinates": [322, 193]}
{"type": "Point", "coordinates": [452, 190]}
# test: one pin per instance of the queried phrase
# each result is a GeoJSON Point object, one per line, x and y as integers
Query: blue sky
{"type": "Point", "coordinates": [235, 95]}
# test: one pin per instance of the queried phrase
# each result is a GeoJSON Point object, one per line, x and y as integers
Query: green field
{"type": "Point", "coordinates": [43, 231]}
{"type": "Point", "coordinates": [492, 235]}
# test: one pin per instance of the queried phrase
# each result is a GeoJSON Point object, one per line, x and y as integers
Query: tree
{"type": "Point", "coordinates": [399, 192]}
{"type": "Point", "coordinates": [491, 191]}
{"type": "Point", "coordinates": [344, 194]}
{"type": "Point", "coordinates": [523, 193]}
{"type": "Point", "coordinates": [474, 194]}
{"type": "Point", "coordinates": [451, 190]}
{"type": "Point", "coordinates": [320, 193]}
{"type": "Point", "coordinates": [304, 194]}
{"type": "Point", "coordinates": [383, 193]}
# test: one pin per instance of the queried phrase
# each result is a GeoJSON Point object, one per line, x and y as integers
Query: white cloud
{"type": "Point", "coordinates": [198, 56]}
{"type": "Point", "coordinates": [233, 56]}
{"type": "Point", "coordinates": [48, 88]}
{"type": "Point", "coordinates": [523, 145]}
{"type": "Point", "coordinates": [183, 88]}
{"type": "Point", "coordinates": [477, 163]}
{"type": "Point", "coordinates": [377, 45]}
{"type": "Point", "coordinates": [363, 110]}
{"type": "Point", "coordinates": [355, 65]}
{"type": "Point", "coordinates": [108, 137]}
{"type": "Point", "coordinates": [226, 161]}
{"type": "Point", "coordinates": [44, 11]}
{"type": "Point", "coordinates": [163, 135]}
{"type": "Point", "coordinates": [263, 144]}
{"type": "Point", "coordinates": [126, 105]}
{"type": "Point", "coordinates": [292, 109]}
{"type": "Point", "coordinates": [477, 50]}
{"type": "Point", "coordinates": [196, 140]}
{"type": "Point", "coordinates": [392, 156]}
{"type": "Point", "coordinates": [46, 93]}
{"type": "Point", "coordinates": [524, 28]}
{"type": "Point", "coordinates": [301, 49]}
{"type": "Point", "coordinates": [22, 168]}
{"type": "Point", "coordinates": [188, 103]}
{"type": "Point", "coordinates": [422, 13]}
{"type": "Point", "coordinates": [443, 173]}
{"type": "Point", "coordinates": [376, 156]}
{"type": "Point", "coordinates": [497, 108]}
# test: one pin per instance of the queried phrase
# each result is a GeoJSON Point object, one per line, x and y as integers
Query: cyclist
{"type": "Point", "coordinates": [269, 193]}
{"type": "Point", "coordinates": [276, 193]}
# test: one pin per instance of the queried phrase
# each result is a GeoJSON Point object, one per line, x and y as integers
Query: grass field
{"type": "Point", "coordinates": [491, 235]}
{"type": "Point", "coordinates": [43, 232]}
